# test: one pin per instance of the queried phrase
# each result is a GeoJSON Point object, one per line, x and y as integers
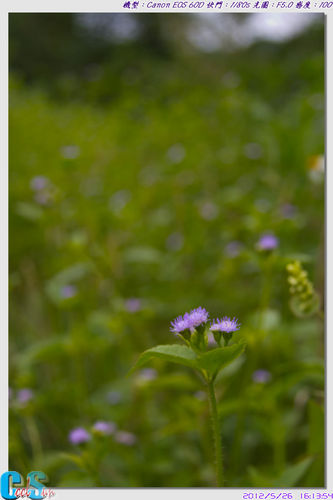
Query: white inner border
{"type": "Point", "coordinates": [7, 6]}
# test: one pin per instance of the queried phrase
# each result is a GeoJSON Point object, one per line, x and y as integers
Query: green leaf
{"type": "Point", "coordinates": [290, 476]}
{"type": "Point", "coordinates": [216, 359]}
{"type": "Point", "coordinates": [175, 353]}
{"type": "Point", "coordinates": [293, 474]}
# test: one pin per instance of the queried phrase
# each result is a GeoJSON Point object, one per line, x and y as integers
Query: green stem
{"type": "Point", "coordinates": [216, 434]}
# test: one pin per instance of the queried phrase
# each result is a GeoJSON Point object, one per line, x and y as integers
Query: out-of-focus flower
{"type": "Point", "coordinates": [208, 210]}
{"type": "Point", "coordinates": [43, 198]}
{"type": "Point", "coordinates": [10, 393]}
{"type": "Point", "coordinates": [79, 435]}
{"type": "Point", "coordinates": [119, 200]}
{"type": "Point", "coordinates": [113, 397]}
{"type": "Point", "coordinates": [68, 291]}
{"type": "Point", "coordinates": [25, 395]}
{"type": "Point", "coordinates": [288, 211]}
{"type": "Point", "coordinates": [39, 183]}
{"type": "Point", "coordinates": [233, 249]}
{"type": "Point", "coordinates": [268, 241]}
{"type": "Point", "coordinates": [70, 152]}
{"type": "Point", "coordinates": [133, 305]}
{"type": "Point", "coordinates": [104, 427]}
{"type": "Point", "coordinates": [225, 325]}
{"type": "Point", "coordinates": [201, 395]}
{"type": "Point", "coordinates": [126, 438]}
{"type": "Point", "coordinates": [147, 374]}
{"type": "Point", "coordinates": [261, 376]}
{"type": "Point", "coordinates": [174, 242]}
{"type": "Point", "coordinates": [176, 153]}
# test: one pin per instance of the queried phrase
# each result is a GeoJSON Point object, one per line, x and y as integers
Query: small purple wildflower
{"type": "Point", "coordinates": [268, 242]}
{"type": "Point", "coordinates": [225, 325]}
{"type": "Point", "coordinates": [68, 291]}
{"type": "Point", "coordinates": [25, 395]}
{"type": "Point", "coordinates": [39, 183]}
{"type": "Point", "coordinates": [198, 316]}
{"type": "Point", "coordinates": [106, 428]}
{"type": "Point", "coordinates": [181, 323]}
{"type": "Point", "coordinates": [79, 435]}
{"type": "Point", "coordinates": [126, 438]}
{"type": "Point", "coordinates": [133, 305]}
{"type": "Point", "coordinates": [261, 376]}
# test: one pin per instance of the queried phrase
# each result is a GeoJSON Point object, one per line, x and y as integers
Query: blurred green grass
{"type": "Point", "coordinates": [141, 199]}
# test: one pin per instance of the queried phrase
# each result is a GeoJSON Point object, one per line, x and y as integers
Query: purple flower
{"type": "Point", "coordinates": [198, 316]}
{"type": "Point", "coordinates": [104, 427]}
{"type": "Point", "coordinates": [225, 325]}
{"type": "Point", "coordinates": [147, 374]}
{"type": "Point", "coordinates": [268, 242]}
{"type": "Point", "coordinates": [39, 183]}
{"type": "Point", "coordinates": [114, 397]}
{"type": "Point", "coordinates": [25, 395]}
{"type": "Point", "coordinates": [79, 435]}
{"type": "Point", "coordinates": [181, 324]}
{"type": "Point", "coordinates": [233, 249]}
{"type": "Point", "coordinates": [68, 291]}
{"type": "Point", "coordinates": [288, 211]}
{"type": "Point", "coordinates": [133, 305]}
{"type": "Point", "coordinates": [70, 152]}
{"type": "Point", "coordinates": [261, 376]}
{"type": "Point", "coordinates": [126, 438]}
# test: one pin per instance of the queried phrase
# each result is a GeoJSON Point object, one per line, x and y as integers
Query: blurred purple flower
{"type": "Point", "coordinates": [225, 325]}
{"type": "Point", "coordinates": [126, 438]}
{"type": "Point", "coordinates": [10, 393]}
{"type": "Point", "coordinates": [25, 395]}
{"type": "Point", "coordinates": [105, 427]}
{"type": "Point", "coordinates": [42, 198]}
{"type": "Point", "coordinates": [114, 397]}
{"type": "Point", "coordinates": [174, 242]}
{"type": "Point", "coordinates": [233, 249]}
{"type": "Point", "coordinates": [79, 435]}
{"type": "Point", "coordinates": [176, 153]}
{"type": "Point", "coordinates": [147, 374]}
{"type": "Point", "coordinates": [70, 152]}
{"type": "Point", "coordinates": [288, 211]}
{"type": "Point", "coordinates": [261, 376]}
{"type": "Point", "coordinates": [268, 241]}
{"type": "Point", "coordinates": [208, 210]}
{"type": "Point", "coordinates": [68, 291]}
{"type": "Point", "coordinates": [133, 305]}
{"type": "Point", "coordinates": [201, 395]}
{"type": "Point", "coordinates": [39, 183]}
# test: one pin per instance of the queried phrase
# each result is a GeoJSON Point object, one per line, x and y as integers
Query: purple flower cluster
{"type": "Point", "coordinates": [190, 321]}
{"type": "Point", "coordinates": [106, 428]}
{"type": "Point", "coordinates": [225, 325]}
{"type": "Point", "coordinates": [268, 242]}
{"type": "Point", "coordinates": [79, 435]}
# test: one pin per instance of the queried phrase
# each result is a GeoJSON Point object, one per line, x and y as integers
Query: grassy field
{"type": "Point", "coordinates": [140, 194]}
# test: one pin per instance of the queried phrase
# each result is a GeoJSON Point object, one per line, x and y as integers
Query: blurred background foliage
{"type": "Point", "coordinates": [144, 168]}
